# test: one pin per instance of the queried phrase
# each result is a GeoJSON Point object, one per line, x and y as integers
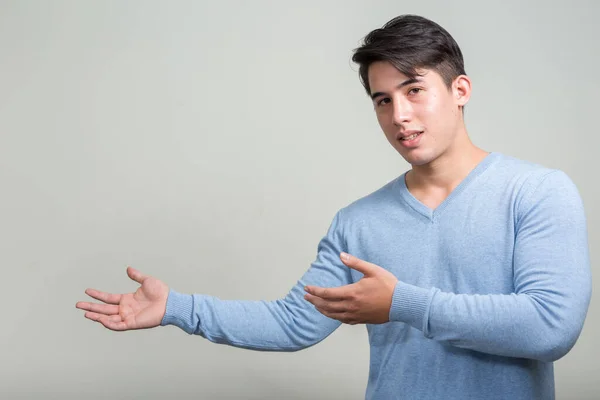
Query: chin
{"type": "Point", "coordinates": [417, 158]}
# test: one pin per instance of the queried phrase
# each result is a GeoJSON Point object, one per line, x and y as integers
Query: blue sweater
{"type": "Point", "coordinates": [494, 285]}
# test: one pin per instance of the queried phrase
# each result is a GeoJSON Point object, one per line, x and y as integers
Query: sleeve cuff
{"type": "Point", "coordinates": [410, 304]}
{"type": "Point", "coordinates": [179, 310]}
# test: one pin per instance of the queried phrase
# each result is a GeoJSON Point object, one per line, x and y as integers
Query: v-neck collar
{"type": "Point", "coordinates": [432, 214]}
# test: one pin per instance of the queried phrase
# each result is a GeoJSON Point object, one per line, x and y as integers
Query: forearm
{"type": "Point", "coordinates": [289, 324]}
{"type": "Point", "coordinates": [281, 325]}
{"type": "Point", "coordinates": [542, 326]}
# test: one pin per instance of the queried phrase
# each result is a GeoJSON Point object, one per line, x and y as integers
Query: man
{"type": "Point", "coordinates": [471, 270]}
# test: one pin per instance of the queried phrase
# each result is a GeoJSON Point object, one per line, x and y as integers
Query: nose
{"type": "Point", "coordinates": [402, 111]}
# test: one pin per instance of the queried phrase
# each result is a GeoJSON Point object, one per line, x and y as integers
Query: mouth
{"type": "Point", "coordinates": [409, 139]}
{"type": "Point", "coordinates": [411, 136]}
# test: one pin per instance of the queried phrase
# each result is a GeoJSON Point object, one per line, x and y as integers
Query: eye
{"type": "Point", "coordinates": [414, 90]}
{"type": "Point", "coordinates": [383, 101]}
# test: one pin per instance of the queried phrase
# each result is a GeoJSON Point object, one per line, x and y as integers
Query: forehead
{"type": "Point", "coordinates": [383, 76]}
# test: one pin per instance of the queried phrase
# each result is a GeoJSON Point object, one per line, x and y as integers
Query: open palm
{"type": "Point", "coordinates": [145, 308]}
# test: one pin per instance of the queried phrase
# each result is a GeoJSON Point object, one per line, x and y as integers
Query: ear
{"type": "Point", "coordinates": [461, 89]}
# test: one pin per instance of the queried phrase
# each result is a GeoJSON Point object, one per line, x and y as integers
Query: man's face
{"type": "Point", "coordinates": [420, 117]}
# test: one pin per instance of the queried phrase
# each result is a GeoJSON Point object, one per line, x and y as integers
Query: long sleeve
{"type": "Point", "coordinates": [287, 324]}
{"type": "Point", "coordinates": [544, 316]}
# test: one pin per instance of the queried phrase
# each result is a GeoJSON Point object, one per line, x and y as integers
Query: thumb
{"type": "Point", "coordinates": [136, 275]}
{"type": "Point", "coordinates": [356, 263]}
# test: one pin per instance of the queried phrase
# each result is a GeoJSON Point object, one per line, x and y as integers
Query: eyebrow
{"type": "Point", "coordinates": [400, 86]}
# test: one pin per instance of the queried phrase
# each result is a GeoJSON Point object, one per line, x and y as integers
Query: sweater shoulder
{"type": "Point", "coordinates": [521, 184]}
{"type": "Point", "coordinates": [518, 167]}
{"type": "Point", "coordinates": [375, 201]}
{"type": "Point", "coordinates": [522, 175]}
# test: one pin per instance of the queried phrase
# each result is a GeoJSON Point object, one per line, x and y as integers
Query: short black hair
{"type": "Point", "coordinates": [411, 42]}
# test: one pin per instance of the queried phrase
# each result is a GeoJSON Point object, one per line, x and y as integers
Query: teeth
{"type": "Point", "coordinates": [411, 137]}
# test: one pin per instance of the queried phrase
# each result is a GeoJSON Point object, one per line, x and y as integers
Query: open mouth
{"type": "Point", "coordinates": [411, 137]}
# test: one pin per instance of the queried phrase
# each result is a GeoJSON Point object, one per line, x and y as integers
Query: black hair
{"type": "Point", "coordinates": [410, 42]}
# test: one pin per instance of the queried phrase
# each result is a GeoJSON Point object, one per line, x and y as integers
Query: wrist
{"type": "Point", "coordinates": [178, 309]}
{"type": "Point", "coordinates": [410, 304]}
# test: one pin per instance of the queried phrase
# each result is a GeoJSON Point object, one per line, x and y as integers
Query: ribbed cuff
{"type": "Point", "coordinates": [409, 304]}
{"type": "Point", "coordinates": [179, 311]}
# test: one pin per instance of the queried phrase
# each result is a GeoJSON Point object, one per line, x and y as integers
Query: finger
{"type": "Point", "coordinates": [136, 275]}
{"type": "Point", "coordinates": [108, 298]}
{"type": "Point", "coordinates": [112, 322]}
{"type": "Point", "coordinates": [343, 317]}
{"type": "Point", "coordinates": [114, 325]}
{"type": "Point", "coordinates": [337, 293]}
{"type": "Point", "coordinates": [329, 306]}
{"type": "Point", "coordinates": [97, 317]}
{"type": "Point", "coordinates": [98, 308]}
{"type": "Point", "coordinates": [356, 263]}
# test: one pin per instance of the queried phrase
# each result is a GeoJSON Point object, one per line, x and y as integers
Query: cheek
{"type": "Point", "coordinates": [432, 106]}
{"type": "Point", "coordinates": [438, 111]}
{"type": "Point", "coordinates": [385, 122]}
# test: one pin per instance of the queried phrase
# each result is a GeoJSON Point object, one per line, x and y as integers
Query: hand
{"type": "Point", "coordinates": [366, 301]}
{"type": "Point", "coordinates": [140, 310]}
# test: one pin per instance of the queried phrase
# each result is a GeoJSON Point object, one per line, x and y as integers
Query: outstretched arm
{"type": "Point", "coordinates": [287, 324]}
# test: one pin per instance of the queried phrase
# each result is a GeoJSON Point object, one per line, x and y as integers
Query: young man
{"type": "Point", "coordinates": [471, 270]}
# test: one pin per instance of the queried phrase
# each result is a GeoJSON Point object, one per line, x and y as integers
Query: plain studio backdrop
{"type": "Point", "coordinates": [210, 144]}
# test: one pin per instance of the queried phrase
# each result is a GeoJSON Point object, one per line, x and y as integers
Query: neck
{"type": "Point", "coordinates": [448, 170]}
